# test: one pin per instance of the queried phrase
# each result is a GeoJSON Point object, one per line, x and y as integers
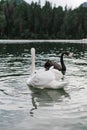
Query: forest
{"type": "Point", "coordinates": [21, 20]}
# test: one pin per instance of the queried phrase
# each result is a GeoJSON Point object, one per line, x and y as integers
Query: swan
{"type": "Point", "coordinates": [61, 67]}
{"type": "Point", "coordinates": [43, 78]}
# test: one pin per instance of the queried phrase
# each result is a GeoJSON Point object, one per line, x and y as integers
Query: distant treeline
{"type": "Point", "coordinates": [20, 20]}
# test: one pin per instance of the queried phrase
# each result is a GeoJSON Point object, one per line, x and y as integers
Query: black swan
{"type": "Point", "coordinates": [40, 78]}
{"type": "Point", "coordinates": [61, 67]}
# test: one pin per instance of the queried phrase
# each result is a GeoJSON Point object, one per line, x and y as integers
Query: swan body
{"type": "Point", "coordinates": [61, 67]}
{"type": "Point", "coordinates": [45, 78]}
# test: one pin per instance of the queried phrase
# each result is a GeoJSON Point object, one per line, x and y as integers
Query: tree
{"type": "Point", "coordinates": [2, 25]}
{"type": "Point", "coordinates": [46, 19]}
{"type": "Point", "coordinates": [19, 19]}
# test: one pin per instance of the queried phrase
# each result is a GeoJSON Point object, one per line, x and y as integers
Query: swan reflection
{"type": "Point", "coordinates": [46, 98]}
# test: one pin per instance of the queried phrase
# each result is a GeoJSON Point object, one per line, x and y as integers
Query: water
{"type": "Point", "coordinates": [23, 108]}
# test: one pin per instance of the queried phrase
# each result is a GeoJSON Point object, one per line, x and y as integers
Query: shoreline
{"type": "Point", "coordinates": [41, 41]}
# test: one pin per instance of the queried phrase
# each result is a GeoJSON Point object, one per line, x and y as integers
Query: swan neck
{"type": "Point", "coordinates": [33, 60]}
{"type": "Point", "coordinates": [62, 63]}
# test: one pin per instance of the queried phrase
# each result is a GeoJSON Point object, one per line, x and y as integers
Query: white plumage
{"type": "Point", "coordinates": [45, 79]}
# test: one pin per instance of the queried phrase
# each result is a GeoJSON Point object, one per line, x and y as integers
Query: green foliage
{"type": "Point", "coordinates": [20, 20]}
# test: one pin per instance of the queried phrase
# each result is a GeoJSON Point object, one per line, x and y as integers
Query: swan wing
{"type": "Point", "coordinates": [57, 84]}
{"type": "Point", "coordinates": [45, 79]}
{"type": "Point", "coordinates": [41, 78]}
{"type": "Point", "coordinates": [58, 75]}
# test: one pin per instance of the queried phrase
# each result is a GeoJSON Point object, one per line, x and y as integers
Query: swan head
{"type": "Point", "coordinates": [66, 53]}
{"type": "Point", "coordinates": [32, 50]}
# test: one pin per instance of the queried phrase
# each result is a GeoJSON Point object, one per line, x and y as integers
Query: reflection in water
{"type": "Point", "coordinates": [42, 48]}
{"type": "Point", "coordinates": [3, 91]}
{"type": "Point", "coordinates": [25, 109]}
{"type": "Point", "coordinates": [34, 106]}
{"type": "Point", "coordinates": [46, 97]}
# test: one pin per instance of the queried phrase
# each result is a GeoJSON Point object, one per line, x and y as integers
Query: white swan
{"type": "Point", "coordinates": [43, 78]}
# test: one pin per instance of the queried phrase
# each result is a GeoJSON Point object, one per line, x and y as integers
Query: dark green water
{"type": "Point", "coordinates": [23, 108]}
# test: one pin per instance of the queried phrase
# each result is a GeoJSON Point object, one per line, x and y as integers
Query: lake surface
{"type": "Point", "coordinates": [23, 108]}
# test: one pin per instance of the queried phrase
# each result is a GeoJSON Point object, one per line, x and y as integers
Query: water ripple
{"type": "Point", "coordinates": [28, 108]}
